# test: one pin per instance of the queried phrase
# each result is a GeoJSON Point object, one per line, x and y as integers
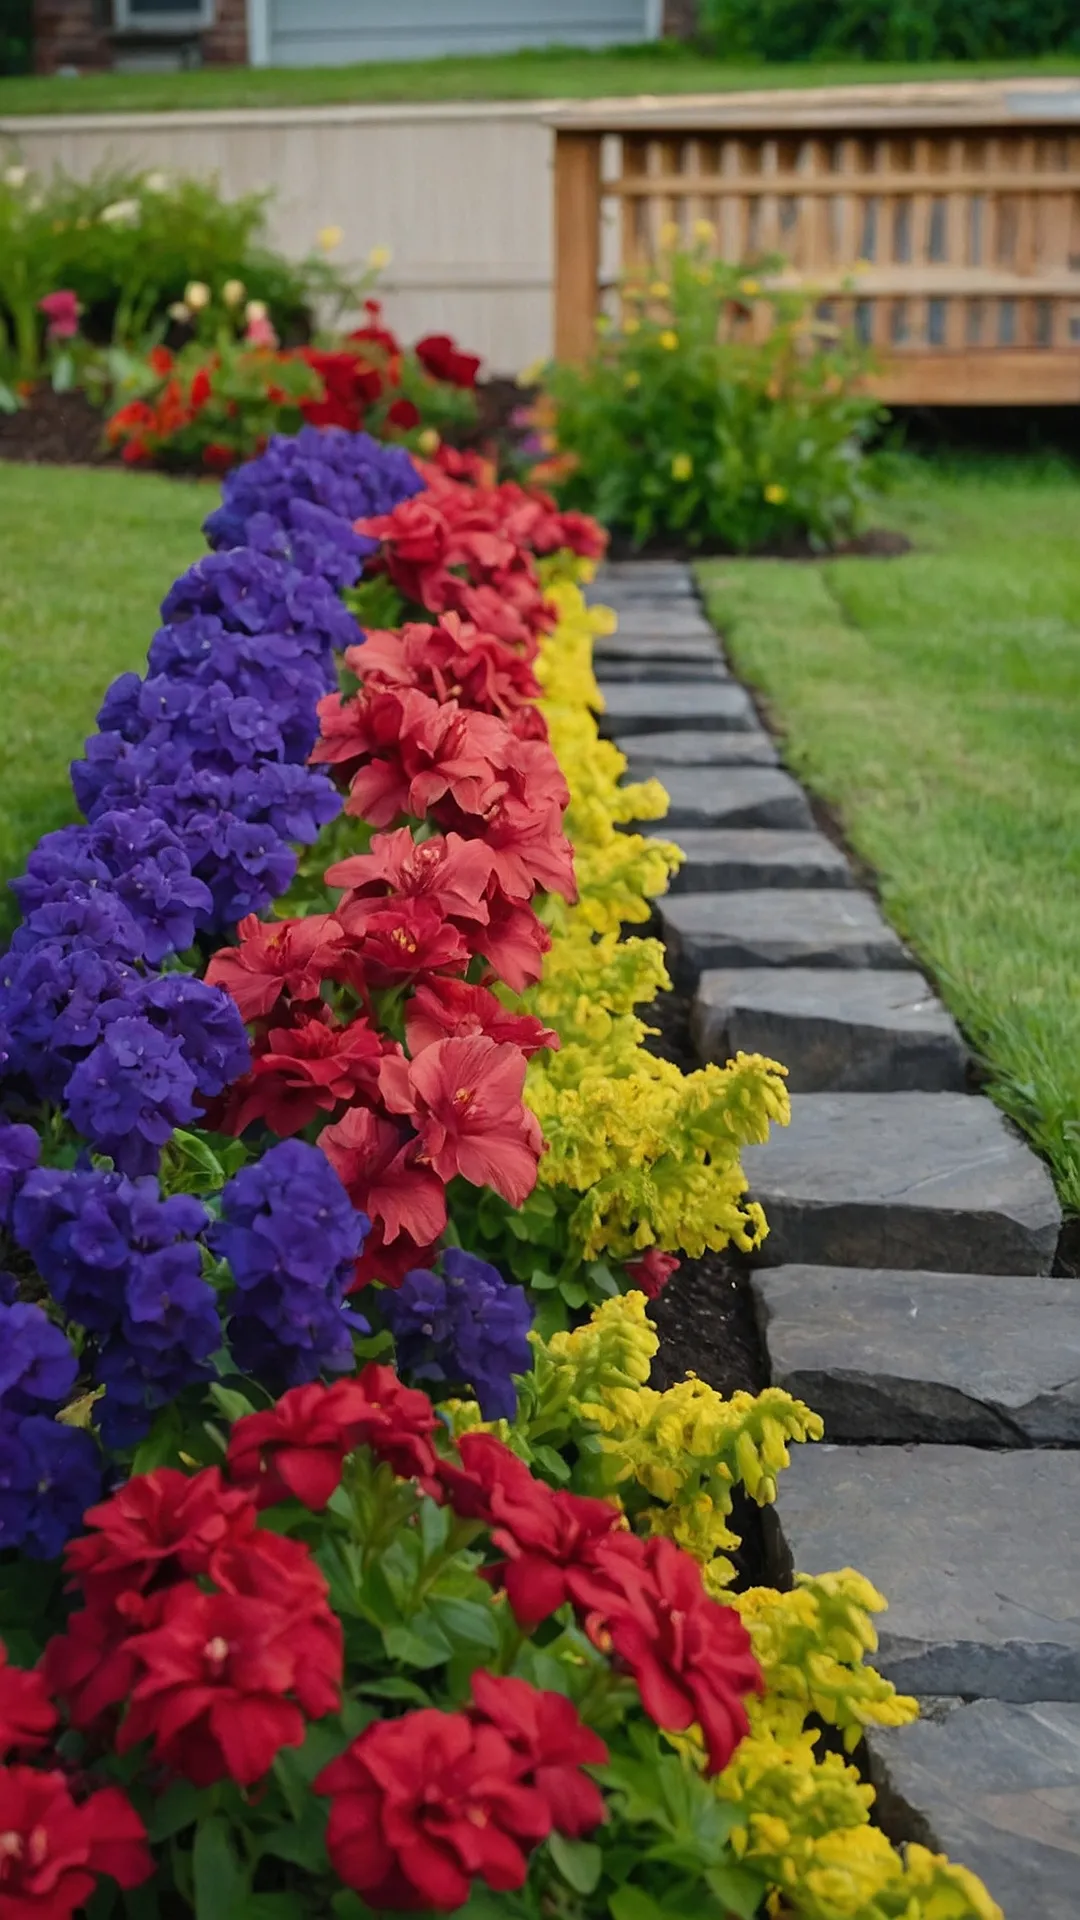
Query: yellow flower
{"type": "Point", "coordinates": [704, 231]}
{"type": "Point", "coordinates": [428, 441]}
{"type": "Point", "coordinates": [631, 324]}
{"type": "Point", "coordinates": [197, 295]}
{"type": "Point", "coordinates": [775, 494]}
{"type": "Point", "coordinates": [659, 290]}
{"type": "Point", "coordinates": [330, 238]}
{"type": "Point", "coordinates": [749, 287]}
{"type": "Point", "coordinates": [669, 340]}
{"type": "Point", "coordinates": [670, 233]}
{"type": "Point", "coordinates": [863, 266]}
{"type": "Point", "coordinates": [632, 380]}
{"type": "Point", "coordinates": [681, 466]}
{"type": "Point", "coordinates": [233, 292]}
{"type": "Point", "coordinates": [256, 310]}
{"type": "Point", "coordinates": [378, 258]}
{"type": "Point", "coordinates": [530, 375]}
{"type": "Point", "coordinates": [602, 323]}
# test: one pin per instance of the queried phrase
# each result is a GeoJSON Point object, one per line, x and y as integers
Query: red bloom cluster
{"type": "Point", "coordinates": [451, 660]}
{"type": "Point", "coordinates": [213, 1639]}
{"type": "Point", "coordinates": [299, 1448]}
{"type": "Point", "coordinates": [422, 1805]}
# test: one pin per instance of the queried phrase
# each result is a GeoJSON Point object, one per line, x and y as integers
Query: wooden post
{"type": "Point", "coordinates": [577, 243]}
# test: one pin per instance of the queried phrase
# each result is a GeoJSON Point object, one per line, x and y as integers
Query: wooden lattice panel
{"type": "Point", "coordinates": [953, 251]}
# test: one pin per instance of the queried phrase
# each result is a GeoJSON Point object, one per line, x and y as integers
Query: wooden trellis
{"type": "Point", "coordinates": [942, 223]}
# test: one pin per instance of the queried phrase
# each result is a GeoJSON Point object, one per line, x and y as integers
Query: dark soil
{"type": "Point", "coordinates": [56, 429]}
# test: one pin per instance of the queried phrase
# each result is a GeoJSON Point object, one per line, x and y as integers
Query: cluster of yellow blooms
{"type": "Point", "coordinates": [650, 1156]}
{"type": "Point", "coordinates": [651, 1153]}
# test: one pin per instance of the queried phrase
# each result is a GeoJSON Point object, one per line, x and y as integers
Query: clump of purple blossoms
{"type": "Point", "coordinates": [466, 1326]}
{"type": "Point", "coordinates": [49, 1474]}
{"type": "Point", "coordinates": [291, 1237]}
{"type": "Point", "coordinates": [20, 1150]}
{"type": "Point", "coordinates": [132, 858]}
{"type": "Point", "coordinates": [300, 498]}
{"type": "Point", "coordinates": [126, 1266]}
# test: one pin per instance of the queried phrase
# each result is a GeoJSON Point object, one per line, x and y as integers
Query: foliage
{"type": "Point", "coordinates": [718, 408]}
{"type": "Point", "coordinates": [899, 30]}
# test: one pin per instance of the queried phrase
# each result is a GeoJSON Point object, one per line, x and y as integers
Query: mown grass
{"type": "Point", "coordinates": [543, 73]}
{"type": "Point", "coordinates": [934, 702]}
{"type": "Point", "coordinates": [85, 560]}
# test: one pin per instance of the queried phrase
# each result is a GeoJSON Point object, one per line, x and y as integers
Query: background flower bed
{"type": "Point", "coordinates": [583, 1404]}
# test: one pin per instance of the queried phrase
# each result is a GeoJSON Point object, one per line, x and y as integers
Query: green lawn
{"type": "Point", "coordinates": [87, 559]}
{"type": "Point", "coordinates": [934, 701]}
{"type": "Point", "coordinates": [546, 73]}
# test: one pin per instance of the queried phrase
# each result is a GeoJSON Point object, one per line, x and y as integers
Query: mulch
{"type": "Point", "coordinates": [56, 430]}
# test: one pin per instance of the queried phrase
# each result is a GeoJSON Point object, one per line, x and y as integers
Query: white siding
{"type": "Point", "coordinates": [312, 33]}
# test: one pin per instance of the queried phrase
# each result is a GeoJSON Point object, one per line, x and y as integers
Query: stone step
{"type": "Point", "coordinates": [647, 672]}
{"type": "Point", "coordinates": [739, 797]}
{"type": "Point", "coordinates": [683, 704]}
{"type": "Point", "coordinates": [917, 1181]}
{"type": "Point", "coordinates": [666, 620]}
{"type": "Point", "coordinates": [995, 1785]}
{"type": "Point", "coordinates": [720, 860]}
{"type": "Point", "coordinates": [695, 649]}
{"type": "Point", "coordinates": [981, 1360]}
{"type": "Point", "coordinates": [776, 927]}
{"type": "Point", "coordinates": [977, 1552]}
{"type": "Point", "coordinates": [840, 1031]}
{"type": "Point", "coordinates": [659, 752]}
{"type": "Point", "coordinates": [658, 576]}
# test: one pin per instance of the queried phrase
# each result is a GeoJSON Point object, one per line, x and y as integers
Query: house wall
{"type": "Point", "coordinates": [75, 33]}
{"type": "Point", "coordinates": [460, 194]}
{"type": "Point", "coordinates": [310, 33]}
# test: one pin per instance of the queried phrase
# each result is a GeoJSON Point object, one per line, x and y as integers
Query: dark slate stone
{"type": "Point", "coordinates": [741, 797]}
{"type": "Point", "coordinates": [720, 859]}
{"type": "Point", "coordinates": [975, 1551]}
{"type": "Point", "coordinates": [918, 1181]}
{"type": "Point", "coordinates": [996, 1786]}
{"type": "Point", "coordinates": [968, 1359]}
{"type": "Point", "coordinates": [835, 1031]}
{"type": "Point", "coordinates": [637, 709]}
{"type": "Point", "coordinates": [645, 576]}
{"type": "Point", "coordinates": [697, 649]}
{"type": "Point", "coordinates": [664, 620]}
{"type": "Point", "coordinates": [648, 672]}
{"type": "Point", "coordinates": [776, 927]}
{"type": "Point", "coordinates": [659, 752]}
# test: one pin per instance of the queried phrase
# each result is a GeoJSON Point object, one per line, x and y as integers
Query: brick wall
{"type": "Point", "coordinates": [75, 33]}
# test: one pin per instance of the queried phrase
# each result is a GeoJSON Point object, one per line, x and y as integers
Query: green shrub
{"type": "Point", "coordinates": [686, 423]}
{"type": "Point", "coordinates": [890, 29]}
{"type": "Point", "coordinates": [127, 244]}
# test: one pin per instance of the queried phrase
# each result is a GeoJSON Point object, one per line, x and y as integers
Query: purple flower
{"type": "Point", "coordinates": [466, 1325]}
{"type": "Point", "coordinates": [126, 1266]}
{"type": "Point", "coordinates": [49, 1476]}
{"type": "Point", "coordinates": [132, 858]}
{"type": "Point", "coordinates": [19, 1151]}
{"type": "Point", "coordinates": [206, 1023]}
{"type": "Point", "coordinates": [291, 1237]}
{"type": "Point", "coordinates": [56, 1000]}
{"type": "Point", "coordinates": [129, 1093]}
{"type": "Point", "coordinates": [37, 1366]}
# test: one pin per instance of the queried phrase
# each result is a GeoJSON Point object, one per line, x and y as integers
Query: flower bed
{"type": "Point", "coordinates": [457, 1628]}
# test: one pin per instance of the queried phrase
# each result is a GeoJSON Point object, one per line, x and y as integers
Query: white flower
{"type": "Point", "coordinates": [255, 310]}
{"type": "Point", "coordinates": [121, 213]}
{"type": "Point", "coordinates": [178, 311]}
{"type": "Point", "coordinates": [233, 292]}
{"type": "Point", "coordinates": [15, 176]}
{"type": "Point", "coordinates": [156, 182]}
{"type": "Point", "coordinates": [197, 295]}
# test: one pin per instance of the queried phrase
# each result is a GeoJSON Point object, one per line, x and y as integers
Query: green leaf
{"type": "Point", "coordinates": [467, 1621]}
{"type": "Point", "coordinates": [221, 1881]}
{"type": "Point", "coordinates": [421, 1645]}
{"type": "Point", "coordinates": [303, 1843]}
{"type": "Point", "coordinates": [178, 1808]}
{"type": "Point", "coordinates": [162, 1444]}
{"type": "Point", "coordinates": [573, 1293]}
{"type": "Point", "coordinates": [235, 1406]}
{"type": "Point", "coordinates": [739, 1889]}
{"type": "Point", "coordinates": [579, 1862]}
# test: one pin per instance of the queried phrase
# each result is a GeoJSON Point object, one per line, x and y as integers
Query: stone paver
{"type": "Point", "coordinates": [670, 620]}
{"type": "Point", "coordinates": [777, 927]}
{"type": "Point", "coordinates": [642, 673]}
{"type": "Point", "coordinates": [649, 709]}
{"type": "Point", "coordinates": [720, 859]}
{"type": "Point", "coordinates": [643, 576]}
{"type": "Point", "coordinates": [965, 1359]}
{"type": "Point", "coordinates": [644, 648]}
{"type": "Point", "coordinates": [844, 1032]}
{"type": "Point", "coordinates": [743, 797]}
{"type": "Point", "coordinates": [977, 1552]}
{"type": "Point", "coordinates": [918, 1181]}
{"type": "Point", "coordinates": [996, 1786]}
{"type": "Point", "coordinates": [660, 753]}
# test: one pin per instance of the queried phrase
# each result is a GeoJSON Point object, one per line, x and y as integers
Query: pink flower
{"type": "Point", "coordinates": [464, 1098]}
{"type": "Point", "coordinates": [61, 309]}
{"type": "Point", "coordinates": [260, 333]}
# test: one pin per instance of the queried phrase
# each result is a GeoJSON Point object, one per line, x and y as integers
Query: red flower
{"type": "Point", "coordinates": [439, 356]}
{"type": "Point", "coordinates": [160, 361]}
{"type": "Point", "coordinates": [299, 1447]}
{"type": "Point", "coordinates": [201, 390]}
{"type": "Point", "coordinates": [450, 872]}
{"type": "Point", "coordinates": [652, 1272]}
{"type": "Point", "coordinates": [451, 1009]}
{"type": "Point", "coordinates": [644, 1603]}
{"type": "Point", "coordinates": [27, 1715]}
{"type": "Point", "coordinates": [543, 1533]}
{"type": "Point", "coordinates": [419, 547]}
{"type": "Point", "coordinates": [53, 1851]}
{"type": "Point", "coordinates": [400, 940]}
{"type": "Point", "coordinates": [377, 1165]}
{"type": "Point", "coordinates": [515, 942]}
{"type": "Point", "coordinates": [404, 414]}
{"type": "Point", "coordinates": [421, 1805]}
{"type": "Point", "coordinates": [464, 1098]}
{"type": "Point", "coordinates": [452, 660]}
{"type": "Point", "coordinates": [280, 956]}
{"type": "Point", "coordinates": [348, 384]}
{"type": "Point", "coordinates": [218, 457]}
{"type": "Point", "coordinates": [153, 1530]}
{"type": "Point", "coordinates": [227, 1680]}
{"type": "Point", "coordinates": [545, 1730]}
{"type": "Point", "coordinates": [301, 1071]}
{"type": "Point", "coordinates": [61, 310]}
